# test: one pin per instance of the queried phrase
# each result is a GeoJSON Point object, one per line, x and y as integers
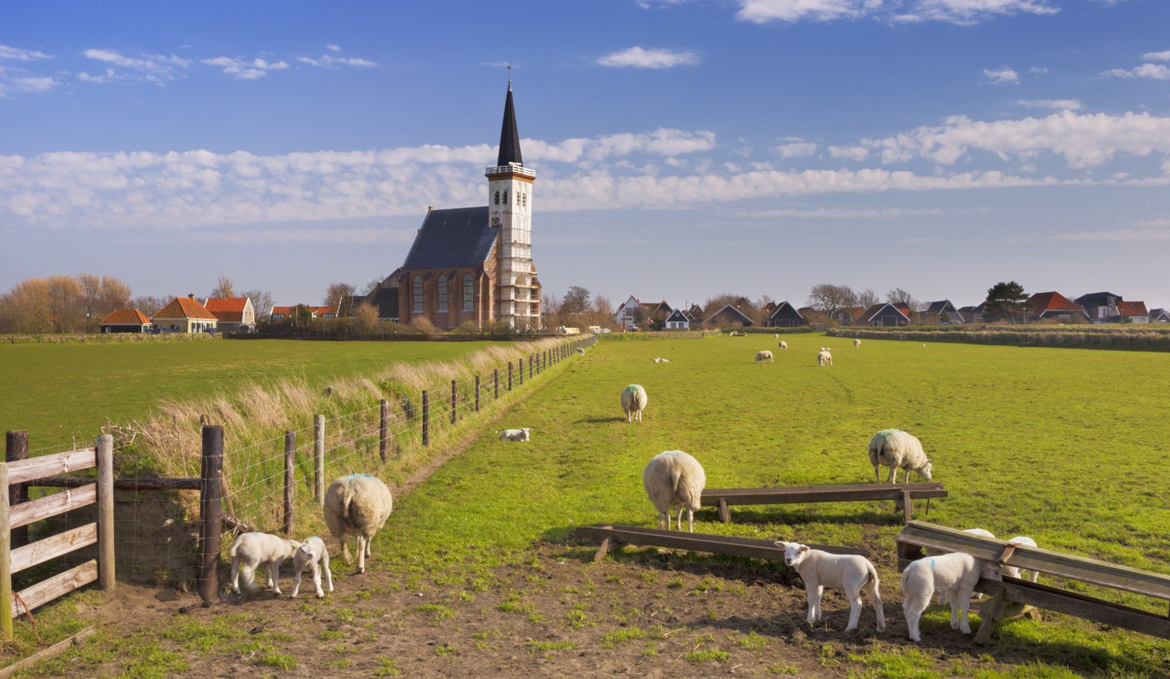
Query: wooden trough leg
{"type": "Point", "coordinates": [987, 613]}
{"type": "Point", "coordinates": [724, 511]}
{"type": "Point", "coordinates": [602, 550]}
{"type": "Point", "coordinates": [907, 507]}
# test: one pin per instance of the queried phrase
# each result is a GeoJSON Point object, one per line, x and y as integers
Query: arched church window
{"type": "Point", "coordinates": [505, 197]}
{"type": "Point", "coordinates": [468, 293]}
{"type": "Point", "coordinates": [443, 292]}
{"type": "Point", "coordinates": [497, 197]}
{"type": "Point", "coordinates": [525, 199]}
{"type": "Point", "coordinates": [417, 294]}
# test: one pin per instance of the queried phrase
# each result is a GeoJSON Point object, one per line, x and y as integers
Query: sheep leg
{"type": "Point", "coordinates": [344, 548]}
{"type": "Point", "coordinates": [871, 590]}
{"type": "Point", "coordinates": [680, 511]}
{"type": "Point", "coordinates": [964, 605]}
{"type": "Point", "coordinates": [328, 573]}
{"type": "Point", "coordinates": [369, 541]}
{"type": "Point", "coordinates": [913, 607]}
{"type": "Point", "coordinates": [273, 569]}
{"type": "Point", "coordinates": [893, 476]}
{"type": "Point", "coordinates": [690, 520]}
{"type": "Point", "coordinates": [297, 583]}
{"type": "Point", "coordinates": [854, 610]}
{"type": "Point", "coordinates": [361, 545]}
{"type": "Point", "coordinates": [814, 593]}
{"type": "Point", "coordinates": [236, 575]}
{"type": "Point", "coordinates": [877, 477]}
{"type": "Point", "coordinates": [317, 580]}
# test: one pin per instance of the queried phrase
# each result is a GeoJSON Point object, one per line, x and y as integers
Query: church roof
{"type": "Point", "coordinates": [448, 239]}
{"type": "Point", "coordinates": [509, 137]}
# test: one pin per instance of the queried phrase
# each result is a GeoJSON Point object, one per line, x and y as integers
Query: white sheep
{"type": "Point", "coordinates": [824, 357]}
{"type": "Point", "coordinates": [848, 572]}
{"type": "Point", "coordinates": [515, 435]}
{"type": "Point", "coordinates": [776, 336]}
{"type": "Point", "coordinates": [896, 449]}
{"type": "Point", "coordinates": [764, 356]}
{"type": "Point", "coordinates": [662, 360]}
{"type": "Point", "coordinates": [783, 344]}
{"type": "Point", "coordinates": [359, 505]}
{"type": "Point", "coordinates": [1015, 572]}
{"type": "Point", "coordinates": [308, 555]}
{"type": "Point", "coordinates": [954, 574]}
{"type": "Point", "coordinates": [856, 343]}
{"type": "Point", "coordinates": [634, 401]}
{"type": "Point", "coordinates": [674, 480]}
{"type": "Point", "coordinates": [988, 571]}
{"type": "Point", "coordinates": [250, 550]}
{"type": "Point", "coordinates": [580, 351]}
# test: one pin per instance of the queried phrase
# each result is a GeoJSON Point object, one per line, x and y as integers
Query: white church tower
{"type": "Point", "coordinates": [510, 210]}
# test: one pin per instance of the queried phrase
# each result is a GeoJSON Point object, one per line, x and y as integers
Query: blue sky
{"type": "Point", "coordinates": [683, 148]}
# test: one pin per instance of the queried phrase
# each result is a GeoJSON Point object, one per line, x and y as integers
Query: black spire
{"type": "Point", "coordinates": [509, 138]}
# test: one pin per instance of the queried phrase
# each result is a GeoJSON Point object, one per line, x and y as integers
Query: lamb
{"type": "Point", "coordinates": [634, 402]}
{"type": "Point", "coordinates": [954, 574]}
{"type": "Point", "coordinates": [307, 555]}
{"type": "Point", "coordinates": [824, 357]}
{"type": "Point", "coordinates": [856, 343]}
{"type": "Point", "coordinates": [1014, 571]}
{"type": "Point", "coordinates": [250, 550]}
{"type": "Point", "coordinates": [849, 572]}
{"type": "Point", "coordinates": [515, 435]}
{"type": "Point", "coordinates": [662, 360]}
{"type": "Point", "coordinates": [359, 505]}
{"type": "Point", "coordinates": [988, 571]}
{"type": "Point", "coordinates": [895, 448]}
{"type": "Point", "coordinates": [783, 344]}
{"type": "Point", "coordinates": [674, 480]}
{"type": "Point", "coordinates": [764, 356]}
{"type": "Point", "coordinates": [580, 351]}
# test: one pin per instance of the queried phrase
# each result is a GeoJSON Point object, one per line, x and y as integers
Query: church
{"type": "Point", "coordinates": [473, 265]}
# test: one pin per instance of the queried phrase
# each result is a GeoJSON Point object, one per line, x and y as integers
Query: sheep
{"type": "Point", "coordinates": [672, 480]}
{"type": "Point", "coordinates": [515, 435]}
{"type": "Point", "coordinates": [783, 344]}
{"type": "Point", "coordinates": [988, 572]}
{"type": "Point", "coordinates": [662, 360]}
{"type": "Point", "coordinates": [307, 555]}
{"type": "Point", "coordinates": [824, 357]}
{"type": "Point", "coordinates": [764, 356]}
{"type": "Point", "coordinates": [359, 505]}
{"type": "Point", "coordinates": [954, 574]}
{"type": "Point", "coordinates": [849, 572]}
{"type": "Point", "coordinates": [250, 550]}
{"type": "Point", "coordinates": [634, 402]}
{"type": "Point", "coordinates": [776, 336]}
{"type": "Point", "coordinates": [856, 343]}
{"type": "Point", "coordinates": [896, 449]}
{"type": "Point", "coordinates": [580, 351]}
{"type": "Point", "coordinates": [1014, 571]}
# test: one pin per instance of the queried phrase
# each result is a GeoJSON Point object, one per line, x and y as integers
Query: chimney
{"type": "Point", "coordinates": [430, 207]}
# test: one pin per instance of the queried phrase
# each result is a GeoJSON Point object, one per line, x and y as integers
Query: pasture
{"type": "Point", "coordinates": [476, 573]}
{"type": "Point", "coordinates": [66, 392]}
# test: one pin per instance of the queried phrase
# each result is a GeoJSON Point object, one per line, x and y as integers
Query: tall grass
{"type": "Point", "coordinates": [1135, 338]}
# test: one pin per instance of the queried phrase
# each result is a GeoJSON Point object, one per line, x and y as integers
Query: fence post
{"type": "Point", "coordinates": [496, 382]}
{"type": "Point", "coordinates": [509, 376]}
{"type": "Point", "coordinates": [454, 402]}
{"type": "Point", "coordinates": [529, 366]}
{"type": "Point", "coordinates": [105, 507]}
{"type": "Point", "coordinates": [5, 559]}
{"type": "Point", "coordinates": [477, 393]}
{"type": "Point", "coordinates": [16, 448]}
{"type": "Point", "coordinates": [384, 430]}
{"type": "Point", "coordinates": [210, 512]}
{"type": "Point", "coordinates": [290, 452]}
{"type": "Point", "coordinates": [319, 459]}
{"type": "Point", "coordinates": [426, 423]}
{"type": "Point", "coordinates": [520, 370]}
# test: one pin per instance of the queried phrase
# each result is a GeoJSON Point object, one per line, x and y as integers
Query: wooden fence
{"type": "Point", "coordinates": [17, 475]}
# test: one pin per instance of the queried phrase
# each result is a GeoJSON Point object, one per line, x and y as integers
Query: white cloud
{"type": "Point", "coordinates": [1001, 75]}
{"type": "Point", "coordinates": [832, 213]}
{"type": "Point", "coordinates": [962, 12]}
{"type": "Point", "coordinates": [857, 153]}
{"type": "Point", "coordinates": [1116, 236]}
{"type": "Point", "coordinates": [246, 70]}
{"type": "Point", "coordinates": [329, 61]}
{"type": "Point", "coordinates": [765, 11]}
{"type": "Point", "coordinates": [1154, 71]}
{"type": "Point", "coordinates": [35, 84]}
{"type": "Point", "coordinates": [638, 57]}
{"type": "Point", "coordinates": [966, 12]}
{"type": "Point", "coordinates": [1156, 56]}
{"type": "Point", "coordinates": [333, 48]}
{"type": "Point", "coordinates": [662, 142]}
{"type": "Point", "coordinates": [20, 54]}
{"type": "Point", "coordinates": [797, 149]}
{"type": "Point", "coordinates": [650, 4]}
{"type": "Point", "coordinates": [155, 68]}
{"type": "Point", "coordinates": [18, 82]}
{"type": "Point", "coordinates": [1058, 104]}
{"type": "Point", "coordinates": [1038, 71]}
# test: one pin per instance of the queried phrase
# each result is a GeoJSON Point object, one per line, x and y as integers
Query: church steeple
{"type": "Point", "coordinates": [509, 138]}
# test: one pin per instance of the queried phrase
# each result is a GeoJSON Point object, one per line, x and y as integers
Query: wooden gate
{"type": "Point", "coordinates": [15, 516]}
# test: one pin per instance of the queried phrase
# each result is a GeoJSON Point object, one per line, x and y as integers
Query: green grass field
{"type": "Point", "coordinates": [61, 391]}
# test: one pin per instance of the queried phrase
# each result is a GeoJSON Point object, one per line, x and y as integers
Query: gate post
{"type": "Point", "coordinates": [16, 448]}
{"type": "Point", "coordinates": [319, 460]}
{"type": "Point", "coordinates": [290, 452]}
{"type": "Point", "coordinates": [454, 402]}
{"type": "Point", "coordinates": [477, 393]}
{"type": "Point", "coordinates": [105, 518]}
{"type": "Point", "coordinates": [383, 430]}
{"type": "Point", "coordinates": [210, 513]}
{"type": "Point", "coordinates": [5, 558]}
{"type": "Point", "coordinates": [426, 423]}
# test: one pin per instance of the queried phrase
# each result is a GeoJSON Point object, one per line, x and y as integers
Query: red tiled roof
{"type": "Point", "coordinates": [1132, 309]}
{"type": "Point", "coordinates": [1050, 301]}
{"type": "Point", "coordinates": [227, 309]}
{"type": "Point", "coordinates": [125, 317]}
{"type": "Point", "coordinates": [319, 310]}
{"type": "Point", "coordinates": [184, 307]}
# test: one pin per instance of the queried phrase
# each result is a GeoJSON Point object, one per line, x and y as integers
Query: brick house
{"type": "Point", "coordinates": [235, 314]}
{"type": "Point", "coordinates": [184, 315]}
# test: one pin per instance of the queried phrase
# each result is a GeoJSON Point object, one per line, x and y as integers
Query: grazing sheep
{"type": "Point", "coordinates": [634, 402]}
{"type": "Point", "coordinates": [824, 357]}
{"type": "Point", "coordinates": [848, 572]}
{"type": "Point", "coordinates": [253, 549]}
{"type": "Point", "coordinates": [953, 574]}
{"type": "Point", "coordinates": [1014, 571]}
{"type": "Point", "coordinates": [776, 336]}
{"type": "Point", "coordinates": [783, 344]}
{"type": "Point", "coordinates": [662, 360]}
{"type": "Point", "coordinates": [856, 343]}
{"type": "Point", "coordinates": [896, 449]}
{"type": "Point", "coordinates": [515, 435]}
{"type": "Point", "coordinates": [674, 480]}
{"type": "Point", "coordinates": [307, 555]}
{"type": "Point", "coordinates": [580, 351]}
{"type": "Point", "coordinates": [359, 505]}
{"type": "Point", "coordinates": [764, 356]}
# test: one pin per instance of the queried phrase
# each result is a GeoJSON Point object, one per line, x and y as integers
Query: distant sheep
{"type": "Point", "coordinates": [253, 549]}
{"type": "Point", "coordinates": [662, 360]}
{"type": "Point", "coordinates": [674, 480]}
{"type": "Point", "coordinates": [783, 344]}
{"type": "Point", "coordinates": [954, 574]}
{"type": "Point", "coordinates": [1016, 572]}
{"type": "Point", "coordinates": [896, 449]}
{"type": "Point", "coordinates": [856, 343]}
{"type": "Point", "coordinates": [776, 336]}
{"type": "Point", "coordinates": [515, 435]}
{"type": "Point", "coordinates": [824, 357]}
{"type": "Point", "coordinates": [308, 555]}
{"type": "Point", "coordinates": [358, 505]}
{"type": "Point", "coordinates": [850, 573]}
{"type": "Point", "coordinates": [580, 351]}
{"type": "Point", "coordinates": [634, 401]}
{"type": "Point", "coordinates": [764, 356]}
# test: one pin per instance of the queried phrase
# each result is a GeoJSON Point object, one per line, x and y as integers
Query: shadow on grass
{"type": "Point", "coordinates": [794, 517]}
{"type": "Point", "coordinates": [599, 420]}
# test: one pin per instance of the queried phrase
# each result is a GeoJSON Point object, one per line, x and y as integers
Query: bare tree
{"type": "Point", "coordinates": [261, 303]}
{"type": "Point", "coordinates": [149, 306]}
{"type": "Point", "coordinates": [365, 317]}
{"type": "Point", "coordinates": [575, 302]}
{"type": "Point", "coordinates": [867, 298]}
{"type": "Point", "coordinates": [66, 303]}
{"type": "Point", "coordinates": [826, 297]}
{"type": "Point", "coordinates": [372, 286]}
{"type": "Point", "coordinates": [900, 296]}
{"type": "Point", "coordinates": [223, 288]}
{"type": "Point", "coordinates": [25, 308]}
{"type": "Point", "coordinates": [336, 293]}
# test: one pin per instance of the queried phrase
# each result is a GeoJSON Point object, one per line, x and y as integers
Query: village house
{"type": "Point", "coordinates": [1054, 306]}
{"type": "Point", "coordinates": [678, 320]}
{"type": "Point", "coordinates": [944, 311]}
{"type": "Point", "coordinates": [235, 314]}
{"type": "Point", "coordinates": [846, 315]}
{"type": "Point", "coordinates": [1159, 316]}
{"type": "Point", "coordinates": [283, 313]}
{"type": "Point", "coordinates": [729, 316]}
{"type": "Point", "coordinates": [885, 314]}
{"type": "Point", "coordinates": [184, 315]}
{"type": "Point", "coordinates": [125, 320]}
{"type": "Point", "coordinates": [784, 315]}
